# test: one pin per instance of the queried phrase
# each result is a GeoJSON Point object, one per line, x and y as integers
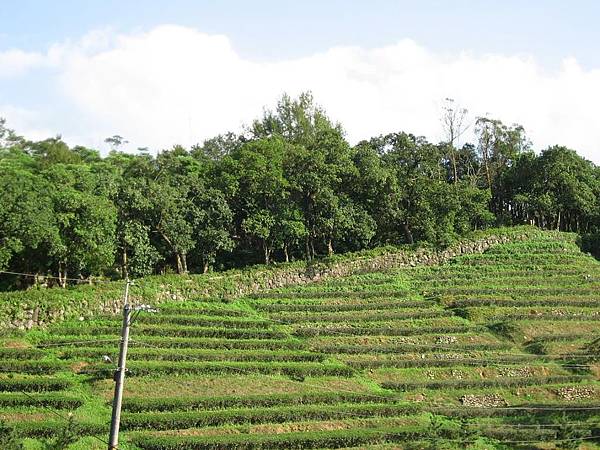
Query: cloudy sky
{"type": "Point", "coordinates": [162, 73]}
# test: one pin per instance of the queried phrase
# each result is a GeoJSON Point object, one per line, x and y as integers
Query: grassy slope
{"type": "Point", "coordinates": [54, 305]}
{"type": "Point", "coordinates": [398, 357]}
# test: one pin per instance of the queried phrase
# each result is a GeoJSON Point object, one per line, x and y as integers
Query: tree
{"type": "Point", "coordinates": [170, 219]}
{"type": "Point", "coordinates": [499, 148]}
{"type": "Point", "coordinates": [53, 151]}
{"type": "Point", "coordinates": [290, 229]}
{"type": "Point", "coordinates": [261, 190]}
{"type": "Point", "coordinates": [218, 147]}
{"type": "Point", "coordinates": [290, 186]}
{"type": "Point", "coordinates": [116, 141]}
{"type": "Point", "coordinates": [317, 163]}
{"type": "Point", "coordinates": [139, 256]}
{"type": "Point", "coordinates": [8, 138]}
{"type": "Point", "coordinates": [453, 123]}
{"type": "Point", "coordinates": [86, 228]}
{"type": "Point", "coordinates": [27, 219]}
{"type": "Point", "coordinates": [570, 182]}
{"type": "Point", "coordinates": [557, 189]}
{"type": "Point", "coordinates": [417, 171]}
{"type": "Point", "coordinates": [212, 223]}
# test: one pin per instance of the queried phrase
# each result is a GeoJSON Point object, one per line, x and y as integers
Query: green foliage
{"type": "Point", "coordinates": [290, 188]}
{"type": "Point", "coordinates": [252, 401]}
{"type": "Point", "coordinates": [50, 400]}
{"type": "Point", "coordinates": [8, 438]}
{"type": "Point", "coordinates": [37, 384]}
{"type": "Point", "coordinates": [27, 220]}
{"type": "Point", "coordinates": [500, 382]}
{"type": "Point", "coordinates": [31, 367]}
{"type": "Point", "coordinates": [280, 414]}
{"type": "Point", "coordinates": [590, 243]}
{"type": "Point", "coordinates": [66, 436]}
{"type": "Point", "coordinates": [570, 434]}
{"type": "Point", "coordinates": [301, 440]}
{"type": "Point", "coordinates": [363, 360]}
{"type": "Point", "coordinates": [295, 370]}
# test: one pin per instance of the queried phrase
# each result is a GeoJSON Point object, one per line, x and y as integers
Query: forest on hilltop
{"type": "Point", "coordinates": [289, 187]}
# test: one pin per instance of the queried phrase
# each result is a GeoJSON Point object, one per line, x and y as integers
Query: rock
{"type": "Point", "coordinates": [419, 398]}
{"type": "Point", "coordinates": [516, 372]}
{"type": "Point", "coordinates": [482, 401]}
{"type": "Point", "coordinates": [446, 340]}
{"type": "Point", "coordinates": [575, 392]}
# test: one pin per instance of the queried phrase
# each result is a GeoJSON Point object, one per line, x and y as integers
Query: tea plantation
{"type": "Point", "coordinates": [492, 350]}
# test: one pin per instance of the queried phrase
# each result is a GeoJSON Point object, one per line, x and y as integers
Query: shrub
{"type": "Point", "coordinates": [194, 419]}
{"type": "Point", "coordinates": [303, 440]}
{"type": "Point", "coordinates": [33, 384]}
{"type": "Point", "coordinates": [495, 383]}
{"type": "Point", "coordinates": [55, 401]}
{"type": "Point", "coordinates": [323, 398]}
{"type": "Point", "coordinates": [590, 243]}
{"type": "Point", "coordinates": [297, 370]}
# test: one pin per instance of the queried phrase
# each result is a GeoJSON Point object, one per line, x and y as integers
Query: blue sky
{"type": "Point", "coordinates": [528, 41]}
{"type": "Point", "coordinates": [548, 29]}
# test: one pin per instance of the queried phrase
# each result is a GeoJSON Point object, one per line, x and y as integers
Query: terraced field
{"type": "Point", "coordinates": [496, 350]}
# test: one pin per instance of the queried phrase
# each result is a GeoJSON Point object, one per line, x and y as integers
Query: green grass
{"type": "Point", "coordinates": [393, 359]}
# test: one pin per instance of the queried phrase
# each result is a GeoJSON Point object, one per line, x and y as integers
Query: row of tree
{"type": "Point", "coordinates": [289, 187]}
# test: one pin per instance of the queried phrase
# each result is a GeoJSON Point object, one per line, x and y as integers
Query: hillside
{"type": "Point", "coordinates": [485, 350]}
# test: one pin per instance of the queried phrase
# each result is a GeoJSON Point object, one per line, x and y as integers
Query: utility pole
{"type": "Point", "coordinates": [119, 377]}
{"type": "Point", "coordinates": [129, 316]}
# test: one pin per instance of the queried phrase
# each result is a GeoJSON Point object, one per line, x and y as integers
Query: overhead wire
{"type": "Point", "coordinates": [52, 277]}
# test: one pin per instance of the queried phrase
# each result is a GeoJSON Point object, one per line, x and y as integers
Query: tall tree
{"type": "Point", "coordinates": [317, 165]}
{"type": "Point", "coordinates": [454, 126]}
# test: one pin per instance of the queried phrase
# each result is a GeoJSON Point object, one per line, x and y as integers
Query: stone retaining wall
{"type": "Point", "coordinates": [39, 310]}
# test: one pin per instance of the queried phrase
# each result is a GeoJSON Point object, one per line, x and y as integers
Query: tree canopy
{"type": "Point", "coordinates": [289, 187]}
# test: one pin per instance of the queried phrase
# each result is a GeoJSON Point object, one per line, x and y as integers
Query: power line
{"type": "Point", "coordinates": [33, 275]}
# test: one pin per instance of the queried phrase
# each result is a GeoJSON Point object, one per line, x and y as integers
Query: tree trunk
{"type": "Point", "coordinates": [454, 166]}
{"type": "Point", "coordinates": [125, 269]}
{"type": "Point", "coordinates": [307, 248]}
{"type": "Point", "coordinates": [62, 274]}
{"type": "Point", "coordinates": [179, 263]}
{"type": "Point", "coordinates": [184, 262]}
{"type": "Point", "coordinates": [558, 221]}
{"type": "Point", "coordinates": [266, 252]}
{"type": "Point", "coordinates": [285, 252]}
{"type": "Point", "coordinates": [487, 168]}
{"type": "Point", "coordinates": [329, 247]}
{"type": "Point", "coordinates": [205, 267]}
{"type": "Point", "coordinates": [408, 234]}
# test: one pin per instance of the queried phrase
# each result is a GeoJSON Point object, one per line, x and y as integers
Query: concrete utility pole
{"type": "Point", "coordinates": [119, 377]}
{"type": "Point", "coordinates": [129, 316]}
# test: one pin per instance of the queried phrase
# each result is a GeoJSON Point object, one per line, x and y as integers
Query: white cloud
{"type": "Point", "coordinates": [24, 121]}
{"type": "Point", "coordinates": [15, 62]}
{"type": "Point", "coordinates": [177, 85]}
